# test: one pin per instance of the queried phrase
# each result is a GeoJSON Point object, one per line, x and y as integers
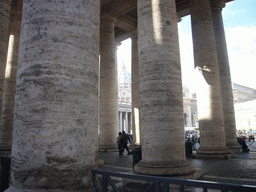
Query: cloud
{"type": "Point", "coordinates": [186, 53]}
{"type": "Point", "coordinates": [241, 43]}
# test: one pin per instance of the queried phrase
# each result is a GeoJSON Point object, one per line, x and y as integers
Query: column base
{"type": "Point", "coordinates": [193, 176]}
{"type": "Point", "coordinates": [235, 147]}
{"type": "Point", "coordinates": [5, 151]}
{"type": "Point", "coordinates": [133, 146]}
{"type": "Point", "coordinates": [108, 148]}
{"type": "Point", "coordinates": [13, 189]}
{"type": "Point", "coordinates": [170, 168]}
{"type": "Point", "coordinates": [101, 162]}
{"type": "Point", "coordinates": [214, 153]}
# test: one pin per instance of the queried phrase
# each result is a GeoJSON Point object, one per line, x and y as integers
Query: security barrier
{"type": "Point", "coordinates": [161, 184]}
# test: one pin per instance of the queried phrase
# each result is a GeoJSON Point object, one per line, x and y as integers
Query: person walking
{"type": "Point", "coordinates": [126, 139]}
{"type": "Point", "coordinates": [120, 142]}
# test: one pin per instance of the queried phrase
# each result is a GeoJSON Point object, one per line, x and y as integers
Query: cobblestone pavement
{"type": "Point", "coordinates": [239, 170]}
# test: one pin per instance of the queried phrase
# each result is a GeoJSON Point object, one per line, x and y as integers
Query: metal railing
{"type": "Point", "coordinates": [161, 184]}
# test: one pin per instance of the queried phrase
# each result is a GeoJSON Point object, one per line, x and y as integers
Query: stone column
{"type": "Point", "coordinates": [130, 123]}
{"type": "Point", "coordinates": [10, 79]}
{"type": "Point", "coordinates": [126, 122]}
{"type": "Point", "coordinates": [55, 117]}
{"type": "Point", "coordinates": [210, 111]}
{"type": "Point", "coordinates": [225, 77]}
{"type": "Point", "coordinates": [135, 90]}
{"type": "Point", "coordinates": [189, 116]}
{"type": "Point", "coordinates": [161, 107]}
{"type": "Point", "coordinates": [4, 23]}
{"type": "Point", "coordinates": [108, 84]}
{"type": "Point", "coordinates": [121, 121]}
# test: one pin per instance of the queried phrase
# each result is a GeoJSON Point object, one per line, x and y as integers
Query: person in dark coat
{"type": "Point", "coordinates": [126, 139]}
{"type": "Point", "coordinates": [241, 141]}
{"type": "Point", "coordinates": [120, 142]}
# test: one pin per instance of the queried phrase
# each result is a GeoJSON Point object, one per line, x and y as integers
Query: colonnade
{"type": "Point", "coordinates": [56, 126]}
{"type": "Point", "coordinates": [125, 121]}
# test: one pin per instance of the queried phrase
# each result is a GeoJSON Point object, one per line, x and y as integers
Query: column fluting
{"type": "Point", "coordinates": [161, 101]}
{"type": "Point", "coordinates": [55, 134]}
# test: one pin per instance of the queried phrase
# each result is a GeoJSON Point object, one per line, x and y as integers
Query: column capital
{"type": "Point", "coordinates": [107, 18]}
{"type": "Point", "coordinates": [215, 4]}
{"type": "Point", "coordinates": [134, 34]}
{"type": "Point", "coordinates": [178, 18]}
{"type": "Point", "coordinates": [117, 43]}
{"type": "Point", "coordinates": [218, 4]}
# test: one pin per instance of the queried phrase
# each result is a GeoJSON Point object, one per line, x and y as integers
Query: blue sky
{"type": "Point", "coordinates": [239, 19]}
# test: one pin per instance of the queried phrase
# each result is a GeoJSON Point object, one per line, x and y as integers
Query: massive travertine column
{"type": "Point", "coordinates": [135, 90]}
{"type": "Point", "coordinates": [10, 79]}
{"type": "Point", "coordinates": [161, 107]}
{"type": "Point", "coordinates": [5, 7]}
{"type": "Point", "coordinates": [55, 117]}
{"type": "Point", "coordinates": [210, 111]}
{"type": "Point", "coordinates": [108, 84]}
{"type": "Point", "coordinates": [225, 77]}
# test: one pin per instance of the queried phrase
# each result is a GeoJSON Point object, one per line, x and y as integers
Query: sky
{"type": "Point", "coordinates": [239, 19]}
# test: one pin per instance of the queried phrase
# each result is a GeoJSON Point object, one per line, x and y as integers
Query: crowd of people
{"type": "Point", "coordinates": [249, 136]}
{"type": "Point", "coordinates": [243, 138]}
{"type": "Point", "coordinates": [122, 142]}
{"type": "Point", "coordinates": [192, 136]}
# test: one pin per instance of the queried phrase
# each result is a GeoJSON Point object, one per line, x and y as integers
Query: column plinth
{"type": "Point", "coordinates": [172, 168]}
{"type": "Point", "coordinates": [161, 101]}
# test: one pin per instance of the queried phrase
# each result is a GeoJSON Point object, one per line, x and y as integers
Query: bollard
{"type": "Point", "coordinates": [5, 172]}
{"type": "Point", "coordinates": [189, 146]}
{"type": "Point", "coordinates": [137, 156]}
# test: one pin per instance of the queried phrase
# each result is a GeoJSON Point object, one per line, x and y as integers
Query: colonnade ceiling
{"type": "Point", "coordinates": [125, 11]}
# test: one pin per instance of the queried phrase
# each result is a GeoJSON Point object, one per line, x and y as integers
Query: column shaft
{"type": "Point", "coordinates": [225, 77]}
{"type": "Point", "coordinates": [189, 116]}
{"type": "Point", "coordinates": [120, 121]}
{"type": "Point", "coordinates": [126, 122]}
{"type": "Point", "coordinates": [210, 111]}
{"type": "Point", "coordinates": [161, 107]}
{"type": "Point", "coordinates": [10, 79]}
{"type": "Point", "coordinates": [4, 31]}
{"type": "Point", "coordinates": [135, 90]}
{"type": "Point", "coordinates": [55, 117]}
{"type": "Point", "coordinates": [130, 123]}
{"type": "Point", "coordinates": [108, 84]}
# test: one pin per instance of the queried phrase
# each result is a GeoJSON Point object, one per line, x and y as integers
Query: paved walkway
{"type": "Point", "coordinates": [238, 170]}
